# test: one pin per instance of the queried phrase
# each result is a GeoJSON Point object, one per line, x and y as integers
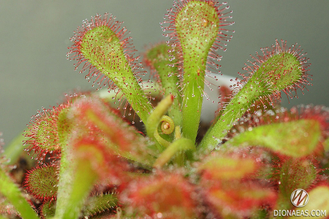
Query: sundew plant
{"type": "Point", "coordinates": [136, 148]}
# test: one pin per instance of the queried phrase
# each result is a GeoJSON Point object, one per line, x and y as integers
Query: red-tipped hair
{"type": "Point", "coordinates": [280, 47]}
{"type": "Point", "coordinates": [222, 38]}
{"type": "Point", "coordinates": [75, 53]}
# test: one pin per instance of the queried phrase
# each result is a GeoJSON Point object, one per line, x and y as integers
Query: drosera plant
{"type": "Point", "coordinates": [93, 163]}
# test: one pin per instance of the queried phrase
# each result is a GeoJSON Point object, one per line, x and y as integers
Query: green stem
{"type": "Point", "coordinates": [65, 183]}
{"type": "Point", "coordinates": [179, 145]}
{"type": "Point", "coordinates": [65, 174]}
{"type": "Point", "coordinates": [11, 191]}
{"type": "Point", "coordinates": [236, 108]}
{"type": "Point", "coordinates": [193, 99]}
{"type": "Point", "coordinates": [81, 186]}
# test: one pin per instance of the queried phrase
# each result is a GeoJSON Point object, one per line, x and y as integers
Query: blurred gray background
{"type": "Point", "coordinates": [35, 36]}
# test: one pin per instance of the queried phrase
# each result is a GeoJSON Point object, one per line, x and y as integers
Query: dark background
{"type": "Point", "coordinates": [35, 36]}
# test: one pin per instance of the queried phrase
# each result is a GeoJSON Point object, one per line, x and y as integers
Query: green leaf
{"type": "Point", "coordinates": [197, 27]}
{"type": "Point", "coordinates": [278, 72]}
{"type": "Point", "coordinates": [103, 45]}
{"type": "Point", "coordinates": [277, 69]}
{"type": "Point", "coordinates": [295, 138]}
